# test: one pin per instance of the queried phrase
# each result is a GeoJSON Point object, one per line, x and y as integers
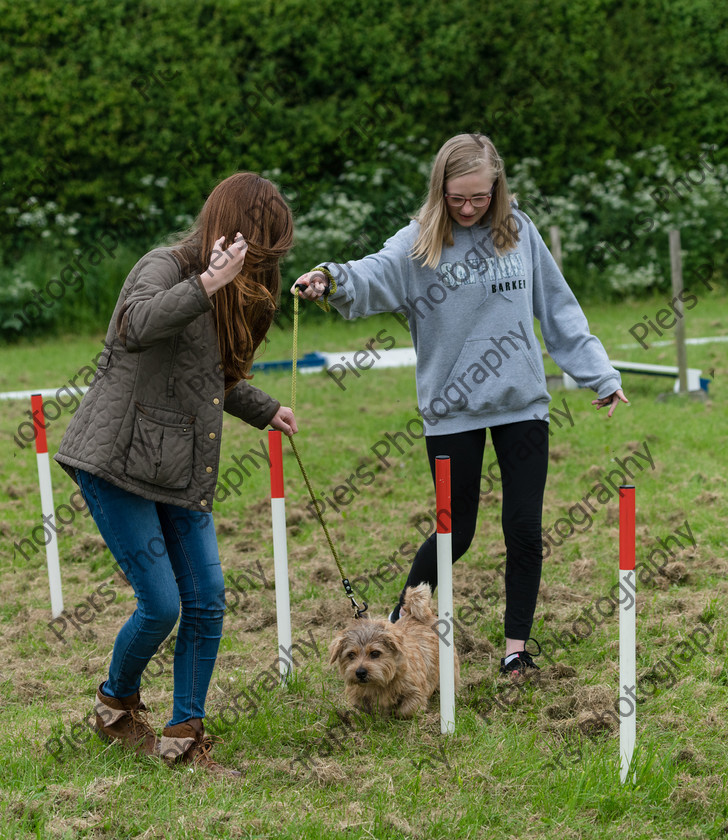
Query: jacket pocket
{"type": "Point", "coordinates": [162, 447]}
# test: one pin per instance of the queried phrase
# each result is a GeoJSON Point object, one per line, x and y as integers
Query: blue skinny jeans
{"type": "Point", "coordinates": [170, 557]}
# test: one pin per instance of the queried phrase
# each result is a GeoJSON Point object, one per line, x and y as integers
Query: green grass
{"type": "Point", "coordinates": [522, 762]}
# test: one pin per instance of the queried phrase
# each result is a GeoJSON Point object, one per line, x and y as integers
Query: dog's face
{"type": "Point", "coordinates": [367, 653]}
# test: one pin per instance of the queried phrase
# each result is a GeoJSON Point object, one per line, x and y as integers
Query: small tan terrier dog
{"type": "Point", "coordinates": [392, 667]}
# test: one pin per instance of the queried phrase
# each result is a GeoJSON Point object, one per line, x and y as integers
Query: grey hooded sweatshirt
{"type": "Point", "coordinates": [479, 363]}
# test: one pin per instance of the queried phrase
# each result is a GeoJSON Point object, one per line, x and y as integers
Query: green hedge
{"type": "Point", "coordinates": [121, 116]}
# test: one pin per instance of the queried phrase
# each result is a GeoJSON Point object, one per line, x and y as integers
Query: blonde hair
{"type": "Point", "coordinates": [461, 155]}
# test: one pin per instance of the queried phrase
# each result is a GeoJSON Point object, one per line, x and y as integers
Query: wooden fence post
{"type": "Point", "coordinates": [677, 289]}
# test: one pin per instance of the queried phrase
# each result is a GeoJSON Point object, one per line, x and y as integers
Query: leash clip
{"type": "Point", "coordinates": [358, 611]}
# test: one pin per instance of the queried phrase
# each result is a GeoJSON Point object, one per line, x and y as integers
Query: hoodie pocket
{"type": "Point", "coordinates": [162, 448]}
{"type": "Point", "coordinates": [496, 376]}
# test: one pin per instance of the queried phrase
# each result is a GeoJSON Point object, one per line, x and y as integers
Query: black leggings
{"type": "Point", "coordinates": [522, 452]}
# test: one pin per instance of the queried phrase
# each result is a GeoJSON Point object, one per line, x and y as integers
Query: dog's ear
{"type": "Point", "coordinates": [392, 642]}
{"type": "Point", "coordinates": [336, 648]}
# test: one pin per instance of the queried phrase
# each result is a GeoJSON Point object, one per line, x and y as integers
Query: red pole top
{"type": "Point", "coordinates": [276, 464]}
{"type": "Point", "coordinates": [36, 403]}
{"type": "Point", "coordinates": [626, 528]}
{"type": "Point", "coordinates": [442, 494]}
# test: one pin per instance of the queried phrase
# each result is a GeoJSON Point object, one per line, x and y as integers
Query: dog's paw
{"type": "Point", "coordinates": [409, 706]}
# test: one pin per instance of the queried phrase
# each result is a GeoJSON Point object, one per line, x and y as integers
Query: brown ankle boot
{"type": "Point", "coordinates": [125, 720]}
{"type": "Point", "coordinates": [186, 743]}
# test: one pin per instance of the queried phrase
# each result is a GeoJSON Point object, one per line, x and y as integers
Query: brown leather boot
{"type": "Point", "coordinates": [125, 720]}
{"type": "Point", "coordinates": [186, 743]}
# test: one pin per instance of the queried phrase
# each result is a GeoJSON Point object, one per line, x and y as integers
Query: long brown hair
{"type": "Point", "coordinates": [244, 309]}
{"type": "Point", "coordinates": [461, 155]}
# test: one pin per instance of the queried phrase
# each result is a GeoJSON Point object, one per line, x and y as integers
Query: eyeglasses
{"type": "Point", "coordinates": [476, 200]}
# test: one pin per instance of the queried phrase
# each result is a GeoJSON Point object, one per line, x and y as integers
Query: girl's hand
{"type": "Point", "coordinates": [284, 421]}
{"type": "Point", "coordinates": [225, 265]}
{"type": "Point", "coordinates": [612, 400]}
{"type": "Point", "coordinates": [314, 283]}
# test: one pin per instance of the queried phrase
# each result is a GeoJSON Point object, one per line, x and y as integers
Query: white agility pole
{"type": "Point", "coordinates": [46, 504]}
{"type": "Point", "coordinates": [627, 631]}
{"type": "Point", "coordinates": [444, 594]}
{"type": "Point", "coordinates": [280, 554]}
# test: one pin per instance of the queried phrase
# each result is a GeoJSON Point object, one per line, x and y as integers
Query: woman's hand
{"type": "Point", "coordinates": [284, 421]}
{"type": "Point", "coordinates": [314, 283]}
{"type": "Point", "coordinates": [225, 265]}
{"type": "Point", "coordinates": [612, 400]}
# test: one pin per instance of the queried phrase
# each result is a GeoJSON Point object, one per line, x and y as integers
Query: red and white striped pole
{"type": "Point", "coordinates": [46, 504]}
{"type": "Point", "coordinates": [280, 554]}
{"type": "Point", "coordinates": [444, 594]}
{"type": "Point", "coordinates": [627, 631]}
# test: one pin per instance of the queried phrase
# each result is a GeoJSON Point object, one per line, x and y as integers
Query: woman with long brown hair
{"type": "Point", "coordinates": [144, 446]}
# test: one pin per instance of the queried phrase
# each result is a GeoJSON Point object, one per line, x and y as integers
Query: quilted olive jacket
{"type": "Point", "coordinates": [151, 421]}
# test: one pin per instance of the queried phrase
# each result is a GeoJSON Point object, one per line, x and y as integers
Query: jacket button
{"type": "Point", "coordinates": [216, 401]}
{"type": "Point", "coordinates": [212, 435]}
{"type": "Point", "coordinates": [208, 469]}
{"type": "Point", "coordinates": [203, 502]}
